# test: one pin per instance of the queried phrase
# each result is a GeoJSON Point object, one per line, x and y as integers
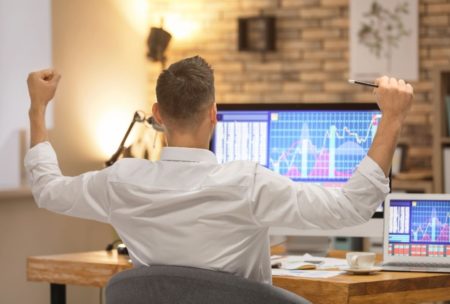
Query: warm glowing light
{"type": "Point", "coordinates": [136, 13]}
{"type": "Point", "coordinates": [110, 129]}
{"type": "Point", "coordinates": [180, 27]}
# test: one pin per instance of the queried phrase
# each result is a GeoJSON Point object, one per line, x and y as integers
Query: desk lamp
{"type": "Point", "coordinates": [138, 116]}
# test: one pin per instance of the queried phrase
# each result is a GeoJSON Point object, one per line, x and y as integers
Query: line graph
{"type": "Point", "coordinates": [430, 222]}
{"type": "Point", "coordinates": [320, 145]}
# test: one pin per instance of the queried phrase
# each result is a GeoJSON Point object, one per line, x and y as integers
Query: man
{"type": "Point", "coordinates": [187, 209]}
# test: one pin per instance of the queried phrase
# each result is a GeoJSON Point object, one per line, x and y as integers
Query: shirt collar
{"type": "Point", "coordinates": [187, 155]}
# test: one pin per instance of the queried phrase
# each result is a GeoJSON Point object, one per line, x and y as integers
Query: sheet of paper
{"type": "Point", "coordinates": [292, 262]}
{"type": "Point", "coordinates": [314, 274]}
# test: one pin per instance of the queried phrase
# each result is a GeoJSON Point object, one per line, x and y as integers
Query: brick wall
{"type": "Point", "coordinates": [311, 63]}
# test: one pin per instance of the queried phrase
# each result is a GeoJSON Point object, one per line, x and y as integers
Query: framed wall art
{"type": "Point", "coordinates": [384, 39]}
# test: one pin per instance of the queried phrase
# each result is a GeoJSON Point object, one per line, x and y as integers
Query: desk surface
{"type": "Point", "coordinates": [382, 287]}
{"type": "Point", "coordinates": [85, 268]}
{"type": "Point", "coordinates": [96, 268]}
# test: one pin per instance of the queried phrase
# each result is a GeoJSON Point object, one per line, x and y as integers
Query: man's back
{"type": "Point", "coordinates": [188, 210]}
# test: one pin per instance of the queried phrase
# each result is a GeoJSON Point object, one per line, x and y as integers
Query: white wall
{"type": "Point", "coordinates": [25, 45]}
{"type": "Point", "coordinates": [99, 48]}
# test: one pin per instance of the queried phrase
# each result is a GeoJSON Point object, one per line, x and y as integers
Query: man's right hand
{"type": "Point", "coordinates": [394, 98]}
{"type": "Point", "coordinates": [42, 87]}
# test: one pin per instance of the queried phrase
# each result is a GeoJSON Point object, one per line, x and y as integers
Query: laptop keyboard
{"type": "Point", "coordinates": [422, 265]}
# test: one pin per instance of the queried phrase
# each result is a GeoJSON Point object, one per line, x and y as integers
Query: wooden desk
{"type": "Point", "coordinates": [85, 268]}
{"type": "Point", "coordinates": [96, 268]}
{"type": "Point", "coordinates": [383, 287]}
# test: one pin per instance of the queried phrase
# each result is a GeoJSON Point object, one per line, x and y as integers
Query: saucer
{"type": "Point", "coordinates": [367, 270]}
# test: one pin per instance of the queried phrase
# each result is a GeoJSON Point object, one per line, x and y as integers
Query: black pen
{"type": "Point", "coordinates": [363, 83]}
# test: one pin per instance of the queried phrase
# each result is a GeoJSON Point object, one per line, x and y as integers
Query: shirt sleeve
{"type": "Point", "coordinates": [84, 196]}
{"type": "Point", "coordinates": [280, 202]}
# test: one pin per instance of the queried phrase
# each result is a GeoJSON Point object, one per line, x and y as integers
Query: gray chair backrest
{"type": "Point", "coordinates": [186, 285]}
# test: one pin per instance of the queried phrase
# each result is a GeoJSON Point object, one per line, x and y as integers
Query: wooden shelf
{"type": "Point", "coordinates": [441, 88]}
{"type": "Point", "coordinates": [13, 194]}
{"type": "Point", "coordinates": [414, 175]}
{"type": "Point", "coordinates": [412, 186]}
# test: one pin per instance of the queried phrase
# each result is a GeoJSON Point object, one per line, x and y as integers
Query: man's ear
{"type": "Point", "coordinates": [213, 114]}
{"type": "Point", "coordinates": [157, 114]}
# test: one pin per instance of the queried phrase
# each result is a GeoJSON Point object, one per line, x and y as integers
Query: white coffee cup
{"type": "Point", "coordinates": [357, 260]}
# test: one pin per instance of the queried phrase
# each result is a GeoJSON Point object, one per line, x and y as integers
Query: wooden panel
{"type": "Point", "coordinates": [439, 125]}
{"type": "Point", "coordinates": [386, 282]}
{"type": "Point", "coordinates": [393, 287]}
{"type": "Point", "coordinates": [316, 291]}
{"type": "Point", "coordinates": [12, 194]}
{"type": "Point", "coordinates": [411, 296]}
{"type": "Point", "coordinates": [278, 249]}
{"type": "Point", "coordinates": [86, 268]}
{"type": "Point", "coordinates": [425, 186]}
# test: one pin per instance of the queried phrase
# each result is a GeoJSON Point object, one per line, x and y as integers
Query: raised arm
{"type": "Point", "coordinates": [41, 87]}
{"type": "Point", "coordinates": [277, 201]}
{"type": "Point", "coordinates": [84, 196]}
{"type": "Point", "coordinates": [394, 98]}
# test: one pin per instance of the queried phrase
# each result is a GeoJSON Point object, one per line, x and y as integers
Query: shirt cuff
{"type": "Point", "coordinates": [373, 172]}
{"type": "Point", "coordinates": [41, 153]}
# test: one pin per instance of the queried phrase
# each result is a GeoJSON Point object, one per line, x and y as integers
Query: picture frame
{"type": "Point", "coordinates": [257, 34]}
{"type": "Point", "coordinates": [391, 49]}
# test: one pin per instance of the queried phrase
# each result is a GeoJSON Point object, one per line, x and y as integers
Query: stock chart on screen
{"type": "Point", "coordinates": [322, 146]}
{"type": "Point", "coordinates": [419, 228]}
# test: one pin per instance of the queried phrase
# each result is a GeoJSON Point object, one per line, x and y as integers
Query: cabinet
{"type": "Point", "coordinates": [441, 140]}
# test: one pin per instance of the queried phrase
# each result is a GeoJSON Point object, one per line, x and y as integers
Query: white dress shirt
{"type": "Point", "coordinates": [187, 209]}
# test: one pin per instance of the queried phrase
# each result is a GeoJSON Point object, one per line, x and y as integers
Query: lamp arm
{"type": "Point", "coordinates": [121, 147]}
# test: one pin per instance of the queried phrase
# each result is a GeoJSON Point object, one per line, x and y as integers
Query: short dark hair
{"type": "Point", "coordinates": [185, 89]}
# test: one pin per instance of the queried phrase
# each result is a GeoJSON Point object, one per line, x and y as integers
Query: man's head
{"type": "Point", "coordinates": [185, 94]}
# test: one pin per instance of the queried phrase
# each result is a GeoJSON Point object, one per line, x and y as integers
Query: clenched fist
{"type": "Point", "coordinates": [42, 87]}
{"type": "Point", "coordinates": [394, 97]}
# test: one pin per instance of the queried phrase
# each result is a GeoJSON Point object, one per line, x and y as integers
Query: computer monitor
{"type": "Point", "coordinates": [312, 143]}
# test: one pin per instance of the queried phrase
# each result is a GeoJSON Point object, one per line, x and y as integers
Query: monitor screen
{"type": "Point", "coordinates": [313, 143]}
{"type": "Point", "coordinates": [419, 228]}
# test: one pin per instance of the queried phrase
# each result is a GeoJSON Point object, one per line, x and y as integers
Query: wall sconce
{"type": "Point", "coordinates": [257, 34]}
{"type": "Point", "coordinates": [157, 42]}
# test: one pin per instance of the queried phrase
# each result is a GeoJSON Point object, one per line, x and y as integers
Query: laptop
{"type": "Point", "coordinates": [417, 232]}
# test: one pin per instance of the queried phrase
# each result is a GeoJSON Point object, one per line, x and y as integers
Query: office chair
{"type": "Point", "coordinates": [186, 285]}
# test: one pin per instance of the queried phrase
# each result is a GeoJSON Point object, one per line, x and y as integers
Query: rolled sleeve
{"type": "Point", "coordinates": [367, 188]}
{"type": "Point", "coordinates": [84, 196]}
{"type": "Point", "coordinates": [372, 171]}
{"type": "Point", "coordinates": [42, 153]}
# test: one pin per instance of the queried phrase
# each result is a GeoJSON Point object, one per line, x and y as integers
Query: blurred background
{"type": "Point", "coordinates": [101, 49]}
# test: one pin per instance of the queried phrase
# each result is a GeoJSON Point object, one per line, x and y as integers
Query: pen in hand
{"type": "Point", "coordinates": [363, 83]}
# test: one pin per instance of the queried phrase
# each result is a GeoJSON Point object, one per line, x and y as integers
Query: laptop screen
{"type": "Point", "coordinates": [419, 227]}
